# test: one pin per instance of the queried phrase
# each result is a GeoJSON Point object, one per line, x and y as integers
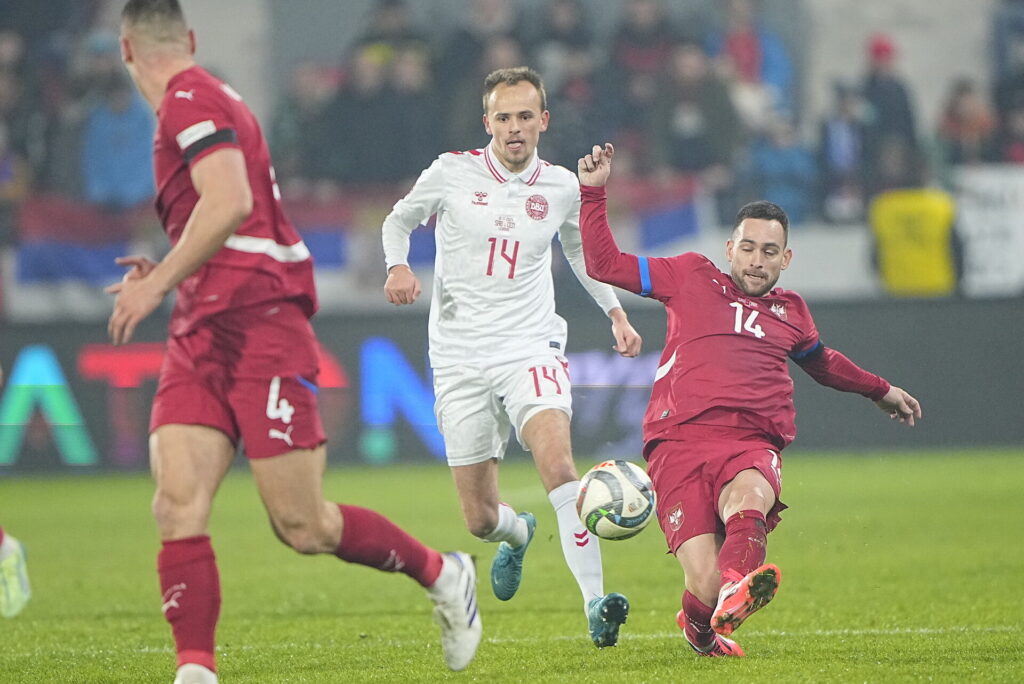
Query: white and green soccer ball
{"type": "Point", "coordinates": [616, 500]}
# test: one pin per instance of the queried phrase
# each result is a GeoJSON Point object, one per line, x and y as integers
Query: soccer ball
{"type": "Point", "coordinates": [616, 500]}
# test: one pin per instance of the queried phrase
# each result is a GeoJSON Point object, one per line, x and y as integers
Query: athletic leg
{"type": "Point", "coordinates": [291, 487]}
{"type": "Point", "coordinates": [546, 434]}
{"type": "Point", "coordinates": [188, 463]}
{"type": "Point", "coordinates": [747, 584]}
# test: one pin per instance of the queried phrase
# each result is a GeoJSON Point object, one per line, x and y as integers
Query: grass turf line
{"type": "Point", "coordinates": [896, 568]}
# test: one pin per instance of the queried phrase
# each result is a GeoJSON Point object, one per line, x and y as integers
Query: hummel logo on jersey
{"type": "Point", "coordinates": [172, 595]}
{"type": "Point", "coordinates": [185, 94]}
{"type": "Point", "coordinates": [481, 198]}
{"type": "Point", "coordinates": [286, 436]}
{"type": "Point", "coordinates": [779, 310]}
{"type": "Point", "coordinates": [715, 281]}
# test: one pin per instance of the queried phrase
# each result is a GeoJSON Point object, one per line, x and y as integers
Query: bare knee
{"type": "Point", "coordinates": [748, 491]}
{"type": "Point", "coordinates": [308, 534]}
{"type": "Point", "coordinates": [178, 515]}
{"type": "Point", "coordinates": [481, 522]}
{"type": "Point", "coordinates": [703, 582]}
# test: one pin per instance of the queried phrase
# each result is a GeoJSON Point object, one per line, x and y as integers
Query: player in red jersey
{"type": "Point", "coordinates": [721, 408]}
{"type": "Point", "coordinates": [241, 363]}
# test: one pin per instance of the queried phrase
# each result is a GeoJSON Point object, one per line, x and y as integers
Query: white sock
{"type": "Point", "coordinates": [7, 546]}
{"type": "Point", "coordinates": [510, 528]}
{"type": "Point", "coordinates": [445, 579]}
{"type": "Point", "coordinates": [580, 547]}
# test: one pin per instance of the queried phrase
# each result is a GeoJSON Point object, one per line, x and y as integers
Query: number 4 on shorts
{"type": "Point", "coordinates": [278, 408]}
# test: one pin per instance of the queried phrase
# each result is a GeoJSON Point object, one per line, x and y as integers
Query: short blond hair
{"type": "Point", "coordinates": [511, 76]}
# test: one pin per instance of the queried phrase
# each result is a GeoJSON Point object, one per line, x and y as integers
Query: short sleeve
{"type": "Point", "coordinates": [662, 277]}
{"type": "Point", "coordinates": [198, 121]}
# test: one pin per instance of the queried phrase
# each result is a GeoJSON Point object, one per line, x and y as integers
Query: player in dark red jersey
{"type": "Point", "coordinates": [241, 363]}
{"type": "Point", "coordinates": [721, 408]}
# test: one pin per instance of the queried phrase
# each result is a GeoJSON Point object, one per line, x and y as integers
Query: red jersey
{"type": "Point", "coordinates": [265, 259]}
{"type": "Point", "coordinates": [725, 356]}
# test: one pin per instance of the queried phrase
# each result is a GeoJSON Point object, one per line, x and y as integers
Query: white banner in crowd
{"type": "Point", "coordinates": [990, 221]}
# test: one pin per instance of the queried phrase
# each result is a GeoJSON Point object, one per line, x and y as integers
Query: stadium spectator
{"type": "Point", "coordinates": [696, 128]}
{"type": "Point", "coordinates": [841, 158]}
{"type": "Point", "coordinates": [781, 169]}
{"type": "Point", "coordinates": [14, 186]}
{"type": "Point", "coordinates": [890, 114]}
{"type": "Point", "coordinates": [15, 109]}
{"type": "Point", "coordinates": [1009, 142]}
{"type": "Point", "coordinates": [639, 49]}
{"type": "Point", "coordinates": [580, 105]}
{"type": "Point", "coordinates": [564, 31]}
{"type": "Point", "coordinates": [755, 63]}
{"type": "Point", "coordinates": [463, 108]}
{"type": "Point", "coordinates": [1008, 48]}
{"type": "Point", "coordinates": [966, 126]}
{"type": "Point", "coordinates": [463, 49]}
{"type": "Point", "coordinates": [15, 590]}
{"type": "Point", "coordinates": [242, 360]}
{"type": "Point", "coordinates": [363, 107]}
{"type": "Point", "coordinates": [717, 467]}
{"type": "Point", "coordinates": [117, 157]}
{"type": "Point", "coordinates": [300, 128]}
{"type": "Point", "coordinates": [391, 30]}
{"type": "Point", "coordinates": [496, 344]}
{"type": "Point", "coordinates": [916, 249]}
{"type": "Point", "coordinates": [415, 101]}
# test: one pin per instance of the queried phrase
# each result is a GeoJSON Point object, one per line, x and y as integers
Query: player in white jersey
{"type": "Point", "coordinates": [496, 343]}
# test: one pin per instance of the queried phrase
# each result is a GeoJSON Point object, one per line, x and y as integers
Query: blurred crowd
{"type": "Point", "coordinates": [714, 98]}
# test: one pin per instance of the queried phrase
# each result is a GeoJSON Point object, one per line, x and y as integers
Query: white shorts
{"type": "Point", "coordinates": [475, 407]}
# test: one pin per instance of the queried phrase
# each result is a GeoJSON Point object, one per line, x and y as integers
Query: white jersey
{"type": "Point", "coordinates": [493, 298]}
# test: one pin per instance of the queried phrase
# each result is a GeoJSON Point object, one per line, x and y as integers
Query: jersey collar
{"type": "Point", "coordinates": [528, 175]}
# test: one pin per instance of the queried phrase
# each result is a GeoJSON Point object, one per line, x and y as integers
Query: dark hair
{"type": "Point", "coordinates": [164, 19]}
{"type": "Point", "coordinates": [768, 211]}
{"type": "Point", "coordinates": [511, 76]}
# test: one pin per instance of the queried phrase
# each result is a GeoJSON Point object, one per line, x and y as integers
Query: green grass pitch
{"type": "Point", "coordinates": [896, 567]}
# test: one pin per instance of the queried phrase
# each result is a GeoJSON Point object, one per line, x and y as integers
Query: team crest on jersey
{"type": "Point", "coordinates": [481, 198]}
{"type": "Point", "coordinates": [536, 207]}
{"type": "Point", "coordinates": [505, 224]}
{"type": "Point", "coordinates": [675, 517]}
{"type": "Point", "coordinates": [779, 309]}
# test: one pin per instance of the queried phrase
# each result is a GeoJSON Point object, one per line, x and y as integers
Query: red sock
{"type": "Point", "coordinates": [744, 548]}
{"type": "Point", "coordinates": [368, 538]}
{"type": "Point", "coordinates": [1, 535]}
{"type": "Point", "coordinates": [191, 597]}
{"type": "Point", "coordinates": [698, 620]}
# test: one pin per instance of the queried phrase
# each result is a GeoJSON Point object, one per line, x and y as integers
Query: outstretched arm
{"type": "Point", "coordinates": [832, 369]}
{"type": "Point", "coordinates": [604, 260]}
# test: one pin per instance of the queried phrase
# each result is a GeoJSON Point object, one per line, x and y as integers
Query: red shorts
{"type": "Point", "coordinates": [250, 373]}
{"type": "Point", "coordinates": [689, 475]}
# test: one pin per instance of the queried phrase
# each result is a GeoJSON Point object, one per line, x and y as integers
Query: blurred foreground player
{"type": "Point", "coordinates": [241, 361]}
{"type": "Point", "coordinates": [15, 590]}
{"type": "Point", "coordinates": [14, 587]}
{"type": "Point", "coordinates": [721, 408]}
